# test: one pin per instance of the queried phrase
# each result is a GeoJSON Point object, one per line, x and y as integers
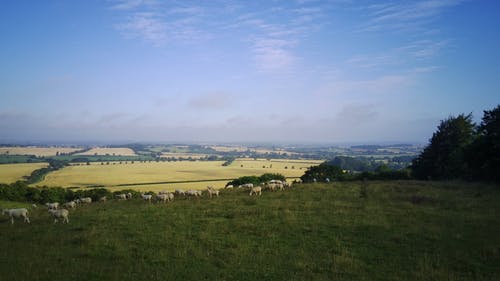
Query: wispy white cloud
{"type": "Point", "coordinates": [158, 23]}
{"type": "Point", "coordinates": [405, 56]}
{"type": "Point", "coordinates": [405, 15]}
{"type": "Point", "coordinates": [130, 4]}
{"type": "Point", "coordinates": [273, 54]}
{"type": "Point", "coordinates": [147, 26]}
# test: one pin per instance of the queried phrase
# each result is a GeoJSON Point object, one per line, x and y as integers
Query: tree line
{"type": "Point", "coordinates": [459, 149]}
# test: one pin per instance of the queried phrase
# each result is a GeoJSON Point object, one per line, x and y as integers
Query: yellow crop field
{"type": "Point", "coordinates": [13, 172]}
{"type": "Point", "coordinates": [38, 151]}
{"type": "Point", "coordinates": [117, 151]}
{"type": "Point", "coordinates": [153, 172]}
{"type": "Point", "coordinates": [183, 155]}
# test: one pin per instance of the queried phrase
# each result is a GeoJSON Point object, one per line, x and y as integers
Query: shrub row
{"type": "Point", "coordinates": [20, 191]}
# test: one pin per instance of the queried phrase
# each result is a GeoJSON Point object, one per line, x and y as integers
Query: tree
{"type": "Point", "coordinates": [321, 172]}
{"type": "Point", "coordinates": [483, 155]}
{"type": "Point", "coordinates": [444, 157]}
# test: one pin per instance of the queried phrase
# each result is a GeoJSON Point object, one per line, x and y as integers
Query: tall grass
{"type": "Point", "coordinates": [399, 231]}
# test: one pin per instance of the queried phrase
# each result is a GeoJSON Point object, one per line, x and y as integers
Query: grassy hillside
{"type": "Point", "coordinates": [394, 231]}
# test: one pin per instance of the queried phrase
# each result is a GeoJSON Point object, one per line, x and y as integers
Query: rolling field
{"type": "Point", "coordinates": [183, 155]}
{"type": "Point", "coordinates": [13, 172]}
{"type": "Point", "coordinates": [118, 151]}
{"type": "Point", "coordinates": [161, 172]}
{"type": "Point", "coordinates": [38, 151]}
{"type": "Point", "coordinates": [398, 231]}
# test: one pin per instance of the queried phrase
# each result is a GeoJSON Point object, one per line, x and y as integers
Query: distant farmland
{"type": "Point", "coordinates": [13, 172]}
{"type": "Point", "coordinates": [37, 151]}
{"type": "Point", "coordinates": [154, 175]}
{"type": "Point", "coordinates": [118, 151]}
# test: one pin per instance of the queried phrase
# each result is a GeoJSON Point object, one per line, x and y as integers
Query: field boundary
{"type": "Point", "coordinates": [166, 182]}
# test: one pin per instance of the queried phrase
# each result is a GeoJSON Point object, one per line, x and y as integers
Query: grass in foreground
{"type": "Point", "coordinates": [396, 231]}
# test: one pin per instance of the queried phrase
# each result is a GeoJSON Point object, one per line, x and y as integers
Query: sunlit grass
{"type": "Point", "coordinates": [398, 231]}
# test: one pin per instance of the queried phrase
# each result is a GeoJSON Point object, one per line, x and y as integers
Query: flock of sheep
{"type": "Point", "coordinates": [163, 196]}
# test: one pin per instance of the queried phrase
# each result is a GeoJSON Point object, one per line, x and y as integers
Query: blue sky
{"type": "Point", "coordinates": [244, 71]}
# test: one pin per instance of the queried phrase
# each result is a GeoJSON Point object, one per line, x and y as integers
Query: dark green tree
{"type": "Point", "coordinates": [483, 155]}
{"type": "Point", "coordinates": [444, 157]}
{"type": "Point", "coordinates": [322, 172]}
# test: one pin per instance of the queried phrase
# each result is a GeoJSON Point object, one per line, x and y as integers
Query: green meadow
{"type": "Point", "coordinates": [406, 230]}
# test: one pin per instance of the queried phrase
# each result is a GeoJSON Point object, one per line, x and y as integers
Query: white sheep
{"type": "Point", "coordinates": [165, 197]}
{"type": "Point", "coordinates": [194, 193]}
{"type": "Point", "coordinates": [103, 199]}
{"type": "Point", "coordinates": [121, 196]}
{"type": "Point", "coordinates": [180, 192]}
{"type": "Point", "coordinates": [58, 214]}
{"type": "Point", "coordinates": [170, 196]}
{"type": "Point", "coordinates": [246, 185]}
{"type": "Point", "coordinates": [34, 206]}
{"type": "Point", "coordinates": [146, 197]}
{"type": "Point", "coordinates": [86, 200]}
{"type": "Point", "coordinates": [212, 191]}
{"type": "Point", "coordinates": [51, 206]}
{"type": "Point", "coordinates": [162, 197]}
{"type": "Point", "coordinates": [16, 213]}
{"type": "Point", "coordinates": [256, 190]}
{"type": "Point", "coordinates": [70, 204]}
{"type": "Point", "coordinates": [229, 186]}
{"type": "Point", "coordinates": [129, 195]}
{"type": "Point", "coordinates": [272, 186]}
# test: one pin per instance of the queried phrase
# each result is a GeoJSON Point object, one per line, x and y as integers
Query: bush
{"type": "Point", "coordinates": [243, 180]}
{"type": "Point", "coordinates": [269, 176]}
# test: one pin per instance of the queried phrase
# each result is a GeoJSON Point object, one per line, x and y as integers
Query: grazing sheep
{"type": "Point", "coordinates": [256, 190]}
{"type": "Point", "coordinates": [103, 199]}
{"type": "Point", "coordinates": [58, 214]}
{"type": "Point", "coordinates": [170, 196]}
{"type": "Point", "coordinates": [86, 200]}
{"type": "Point", "coordinates": [246, 185]}
{"type": "Point", "coordinates": [16, 213]}
{"type": "Point", "coordinates": [51, 206]}
{"type": "Point", "coordinates": [180, 192]}
{"type": "Point", "coordinates": [162, 197]}
{"type": "Point", "coordinates": [194, 193]}
{"type": "Point", "coordinates": [212, 191]}
{"type": "Point", "coordinates": [70, 204]}
{"type": "Point", "coordinates": [166, 197]}
{"type": "Point", "coordinates": [129, 195]}
{"type": "Point", "coordinates": [147, 197]}
{"type": "Point", "coordinates": [271, 186]}
{"type": "Point", "coordinates": [121, 196]}
{"type": "Point", "coordinates": [229, 186]}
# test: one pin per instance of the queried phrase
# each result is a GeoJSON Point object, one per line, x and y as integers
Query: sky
{"type": "Point", "coordinates": [294, 71]}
